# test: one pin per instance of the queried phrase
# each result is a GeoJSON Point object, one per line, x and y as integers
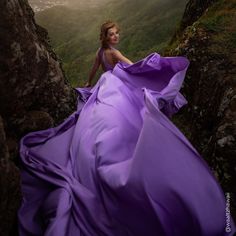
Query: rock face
{"type": "Point", "coordinates": [34, 95]}
{"type": "Point", "coordinates": [209, 120]}
{"type": "Point", "coordinates": [9, 187]}
{"type": "Point", "coordinates": [194, 9]}
{"type": "Point", "coordinates": [32, 84]}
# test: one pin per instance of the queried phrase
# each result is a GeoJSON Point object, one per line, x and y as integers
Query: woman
{"type": "Point", "coordinates": [118, 166]}
{"type": "Point", "coordinates": [109, 37]}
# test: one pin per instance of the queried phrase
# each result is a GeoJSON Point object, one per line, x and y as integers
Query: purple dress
{"type": "Point", "coordinates": [118, 166]}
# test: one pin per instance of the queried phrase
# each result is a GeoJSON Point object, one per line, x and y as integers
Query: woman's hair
{"type": "Point", "coordinates": [104, 30]}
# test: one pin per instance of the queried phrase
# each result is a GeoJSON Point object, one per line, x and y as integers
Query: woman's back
{"type": "Point", "coordinates": [106, 58]}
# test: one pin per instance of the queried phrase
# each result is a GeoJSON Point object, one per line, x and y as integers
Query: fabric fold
{"type": "Point", "coordinates": [118, 166]}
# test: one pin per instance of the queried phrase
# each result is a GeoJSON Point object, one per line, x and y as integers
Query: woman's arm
{"type": "Point", "coordinates": [94, 69]}
{"type": "Point", "coordinates": [119, 57]}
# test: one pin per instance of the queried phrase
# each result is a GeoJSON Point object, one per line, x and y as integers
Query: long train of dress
{"type": "Point", "coordinates": [118, 166]}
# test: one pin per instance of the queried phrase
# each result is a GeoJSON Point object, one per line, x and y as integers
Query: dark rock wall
{"type": "Point", "coordinates": [209, 119]}
{"type": "Point", "coordinates": [31, 75]}
{"type": "Point", "coordinates": [34, 95]}
{"type": "Point", "coordinates": [194, 9]}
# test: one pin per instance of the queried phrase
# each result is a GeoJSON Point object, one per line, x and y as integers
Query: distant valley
{"type": "Point", "coordinates": [40, 5]}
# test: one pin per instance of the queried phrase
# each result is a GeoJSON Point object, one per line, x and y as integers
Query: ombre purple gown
{"type": "Point", "coordinates": [118, 166]}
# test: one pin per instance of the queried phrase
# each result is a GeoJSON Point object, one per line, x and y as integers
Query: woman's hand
{"type": "Point", "coordinates": [87, 84]}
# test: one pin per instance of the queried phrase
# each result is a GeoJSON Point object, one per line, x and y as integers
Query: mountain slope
{"type": "Point", "coordinates": [145, 27]}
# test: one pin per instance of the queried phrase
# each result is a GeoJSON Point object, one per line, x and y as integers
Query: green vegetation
{"type": "Point", "coordinates": [146, 26]}
{"type": "Point", "coordinates": [221, 22]}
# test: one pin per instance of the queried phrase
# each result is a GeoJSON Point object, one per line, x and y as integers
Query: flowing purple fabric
{"type": "Point", "coordinates": [118, 166]}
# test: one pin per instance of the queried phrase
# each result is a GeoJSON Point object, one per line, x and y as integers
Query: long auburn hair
{"type": "Point", "coordinates": [104, 30]}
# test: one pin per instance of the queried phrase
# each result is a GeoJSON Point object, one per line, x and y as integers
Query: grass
{"type": "Point", "coordinates": [221, 22]}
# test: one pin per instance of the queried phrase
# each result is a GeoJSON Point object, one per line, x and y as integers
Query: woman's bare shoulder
{"type": "Point", "coordinates": [115, 52]}
{"type": "Point", "coordinates": [120, 57]}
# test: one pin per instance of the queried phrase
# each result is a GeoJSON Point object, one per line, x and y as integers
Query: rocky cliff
{"type": "Point", "coordinates": [207, 37]}
{"type": "Point", "coordinates": [34, 95]}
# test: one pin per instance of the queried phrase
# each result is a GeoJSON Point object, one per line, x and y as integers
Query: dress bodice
{"type": "Point", "coordinates": [107, 65]}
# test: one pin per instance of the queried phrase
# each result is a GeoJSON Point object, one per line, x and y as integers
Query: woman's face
{"type": "Point", "coordinates": [113, 36]}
